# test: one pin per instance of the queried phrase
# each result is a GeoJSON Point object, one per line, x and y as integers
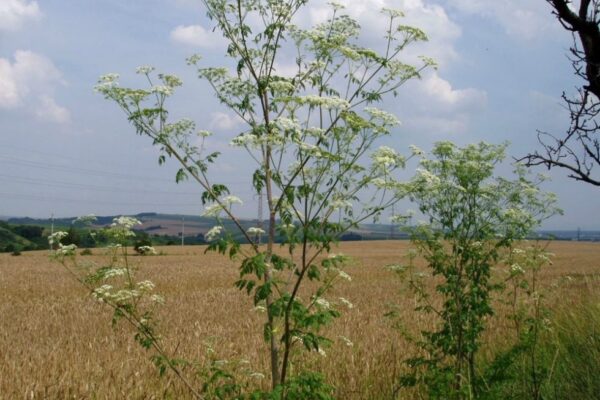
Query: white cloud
{"type": "Point", "coordinates": [440, 91]}
{"type": "Point", "coordinates": [29, 82]}
{"type": "Point", "coordinates": [446, 127]}
{"type": "Point", "coordinates": [50, 111]}
{"type": "Point", "coordinates": [13, 13]}
{"type": "Point", "coordinates": [224, 122]}
{"type": "Point", "coordinates": [433, 106]}
{"type": "Point", "coordinates": [524, 19]}
{"type": "Point", "coordinates": [196, 36]}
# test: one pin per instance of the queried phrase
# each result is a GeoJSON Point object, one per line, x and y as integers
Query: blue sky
{"type": "Point", "coordinates": [67, 151]}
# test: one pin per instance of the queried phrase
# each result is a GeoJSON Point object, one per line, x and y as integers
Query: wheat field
{"type": "Point", "coordinates": [57, 343]}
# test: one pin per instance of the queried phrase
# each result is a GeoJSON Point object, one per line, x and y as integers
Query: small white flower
{"type": "Point", "coordinates": [346, 341]}
{"type": "Point", "coordinates": [214, 210]}
{"type": "Point", "coordinates": [344, 275]}
{"type": "Point", "coordinates": [346, 303]}
{"type": "Point", "coordinates": [229, 200]}
{"type": "Point", "coordinates": [144, 69]}
{"type": "Point", "coordinates": [323, 303]}
{"type": "Point", "coordinates": [415, 150]}
{"type": "Point", "coordinates": [340, 204]}
{"type": "Point", "coordinates": [158, 299]}
{"type": "Point", "coordinates": [516, 269]}
{"type": "Point", "coordinates": [260, 309]}
{"type": "Point", "coordinates": [145, 286]}
{"type": "Point", "coordinates": [162, 90]}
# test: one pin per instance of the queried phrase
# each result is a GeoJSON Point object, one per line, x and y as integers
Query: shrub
{"type": "Point", "coordinates": [472, 218]}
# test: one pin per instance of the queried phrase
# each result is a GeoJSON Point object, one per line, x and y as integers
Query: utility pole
{"type": "Point", "coordinates": [51, 228]}
{"type": "Point", "coordinates": [182, 231]}
{"type": "Point", "coordinates": [392, 226]}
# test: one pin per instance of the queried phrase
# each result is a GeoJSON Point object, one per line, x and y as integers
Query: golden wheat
{"type": "Point", "coordinates": [56, 342]}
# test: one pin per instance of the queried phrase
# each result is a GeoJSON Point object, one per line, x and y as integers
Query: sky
{"type": "Point", "coordinates": [66, 151]}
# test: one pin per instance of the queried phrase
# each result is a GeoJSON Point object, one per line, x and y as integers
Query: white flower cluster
{"type": "Point", "coordinates": [255, 231]}
{"type": "Point", "coordinates": [213, 233]}
{"type": "Point", "coordinates": [56, 237]}
{"type": "Point", "coordinates": [328, 103]}
{"type": "Point", "coordinates": [213, 210]}
{"type": "Point", "coordinates": [146, 250]}
{"type": "Point", "coordinates": [386, 118]}
{"type": "Point", "coordinates": [415, 150]}
{"type": "Point", "coordinates": [114, 272]}
{"type": "Point", "coordinates": [516, 269]}
{"type": "Point", "coordinates": [145, 286]}
{"type": "Point", "coordinates": [382, 183]}
{"type": "Point", "coordinates": [254, 141]}
{"type": "Point", "coordinates": [67, 250]}
{"type": "Point", "coordinates": [346, 341]}
{"type": "Point", "coordinates": [63, 250]}
{"type": "Point", "coordinates": [344, 275]}
{"type": "Point", "coordinates": [428, 178]}
{"type": "Point", "coordinates": [322, 303]}
{"type": "Point", "coordinates": [85, 219]}
{"type": "Point", "coordinates": [106, 83]}
{"type": "Point", "coordinates": [386, 157]}
{"type": "Point", "coordinates": [281, 86]}
{"type": "Point", "coordinates": [125, 222]}
{"type": "Point", "coordinates": [162, 90]}
{"type": "Point", "coordinates": [144, 69]}
{"type": "Point", "coordinates": [340, 204]}
{"type": "Point", "coordinates": [346, 302]}
{"type": "Point", "coordinates": [122, 227]}
{"type": "Point", "coordinates": [157, 298]}
{"type": "Point", "coordinates": [106, 293]}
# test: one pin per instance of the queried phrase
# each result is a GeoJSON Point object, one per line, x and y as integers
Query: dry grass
{"type": "Point", "coordinates": [55, 342]}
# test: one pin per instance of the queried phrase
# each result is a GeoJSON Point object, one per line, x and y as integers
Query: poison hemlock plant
{"type": "Point", "coordinates": [472, 218]}
{"type": "Point", "coordinates": [313, 138]}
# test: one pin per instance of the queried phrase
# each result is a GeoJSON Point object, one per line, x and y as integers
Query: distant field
{"type": "Point", "coordinates": [55, 342]}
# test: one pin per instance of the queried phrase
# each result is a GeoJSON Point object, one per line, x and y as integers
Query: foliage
{"type": "Point", "coordinates": [9, 239]}
{"type": "Point", "coordinates": [472, 216]}
{"type": "Point", "coordinates": [311, 135]}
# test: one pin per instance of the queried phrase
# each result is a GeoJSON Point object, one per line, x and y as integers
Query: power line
{"type": "Point", "coordinates": [88, 171]}
{"type": "Point", "coordinates": [92, 201]}
{"type": "Point", "coordinates": [55, 183]}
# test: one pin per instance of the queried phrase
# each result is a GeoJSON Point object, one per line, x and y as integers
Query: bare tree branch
{"type": "Point", "coordinates": [578, 151]}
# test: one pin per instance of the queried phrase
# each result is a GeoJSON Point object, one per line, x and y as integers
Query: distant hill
{"type": "Point", "coordinates": [10, 241]}
{"type": "Point", "coordinates": [171, 225]}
